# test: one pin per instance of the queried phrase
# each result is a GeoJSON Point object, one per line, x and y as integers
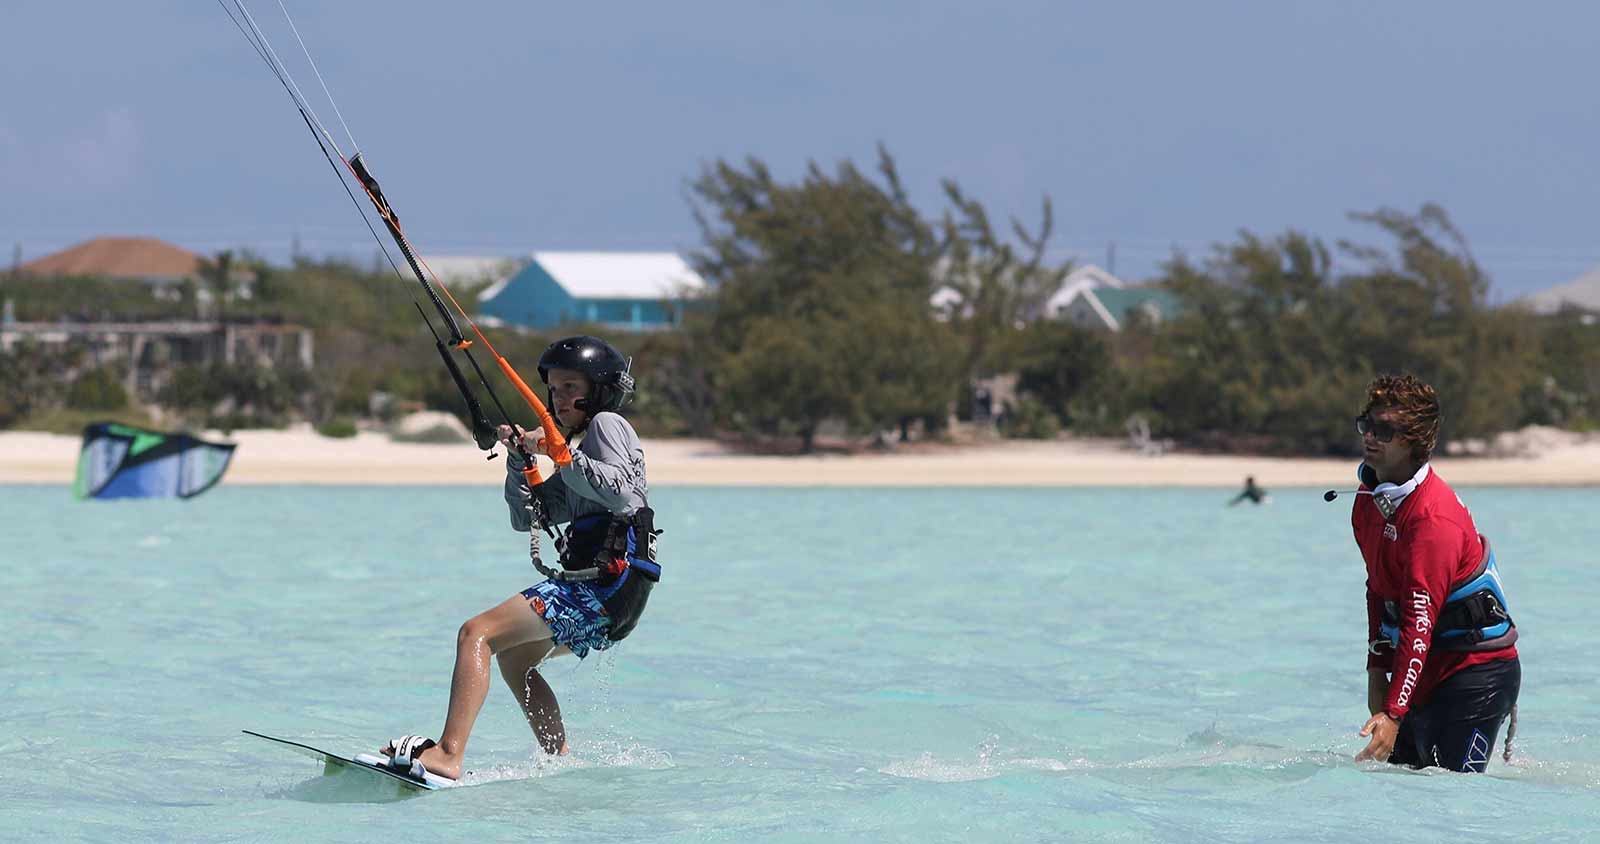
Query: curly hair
{"type": "Point", "coordinates": [1416, 410]}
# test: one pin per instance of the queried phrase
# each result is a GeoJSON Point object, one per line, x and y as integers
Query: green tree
{"type": "Point", "coordinates": [819, 288]}
{"type": "Point", "coordinates": [1275, 348]}
{"type": "Point", "coordinates": [998, 286]}
{"type": "Point", "coordinates": [674, 393]}
{"type": "Point", "coordinates": [30, 378]}
{"type": "Point", "coordinates": [97, 389]}
{"type": "Point", "coordinates": [1569, 393]}
{"type": "Point", "coordinates": [1259, 360]}
{"type": "Point", "coordinates": [913, 369]}
{"type": "Point", "coordinates": [216, 280]}
{"type": "Point", "coordinates": [1065, 367]}
{"type": "Point", "coordinates": [1424, 310]}
{"type": "Point", "coordinates": [237, 396]}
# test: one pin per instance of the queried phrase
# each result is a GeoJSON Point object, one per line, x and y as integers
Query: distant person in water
{"type": "Point", "coordinates": [1256, 494]}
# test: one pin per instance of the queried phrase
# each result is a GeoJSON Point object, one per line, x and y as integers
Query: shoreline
{"type": "Point", "coordinates": [267, 457]}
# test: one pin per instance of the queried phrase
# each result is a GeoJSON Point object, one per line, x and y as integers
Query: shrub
{"type": "Point", "coordinates": [339, 427]}
{"type": "Point", "coordinates": [97, 389]}
{"type": "Point", "coordinates": [1029, 419]}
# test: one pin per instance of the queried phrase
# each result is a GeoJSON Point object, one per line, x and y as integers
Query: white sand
{"type": "Point", "coordinates": [304, 457]}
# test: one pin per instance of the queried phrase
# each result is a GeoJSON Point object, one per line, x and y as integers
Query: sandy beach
{"type": "Point", "coordinates": [300, 456]}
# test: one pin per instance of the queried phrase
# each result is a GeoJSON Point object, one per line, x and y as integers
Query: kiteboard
{"type": "Point", "coordinates": [370, 764]}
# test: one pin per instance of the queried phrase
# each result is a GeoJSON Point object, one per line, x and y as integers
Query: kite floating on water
{"type": "Point", "coordinates": [121, 461]}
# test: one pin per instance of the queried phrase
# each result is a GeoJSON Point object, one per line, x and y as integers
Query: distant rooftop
{"type": "Point", "coordinates": [474, 269]}
{"type": "Point", "coordinates": [947, 299]}
{"type": "Point", "coordinates": [119, 257]}
{"type": "Point", "coordinates": [1583, 292]}
{"type": "Point", "coordinates": [620, 275]}
{"type": "Point", "coordinates": [1122, 301]}
{"type": "Point", "coordinates": [1086, 277]}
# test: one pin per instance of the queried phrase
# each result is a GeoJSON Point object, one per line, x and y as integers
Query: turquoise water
{"type": "Point", "coordinates": [840, 665]}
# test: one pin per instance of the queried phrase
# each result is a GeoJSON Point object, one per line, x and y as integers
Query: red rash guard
{"type": "Point", "coordinates": [1413, 561]}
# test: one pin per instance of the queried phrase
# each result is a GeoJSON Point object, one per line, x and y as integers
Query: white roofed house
{"type": "Point", "coordinates": [1582, 292]}
{"type": "Point", "coordinates": [990, 393]}
{"type": "Point", "coordinates": [947, 301]}
{"type": "Point", "coordinates": [628, 290]}
{"type": "Point", "coordinates": [468, 270]}
{"type": "Point", "coordinates": [1062, 303]}
{"type": "Point", "coordinates": [1093, 298]}
{"type": "Point", "coordinates": [1110, 309]}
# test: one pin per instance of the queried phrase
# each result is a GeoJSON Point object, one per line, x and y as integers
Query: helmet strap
{"type": "Point", "coordinates": [581, 404]}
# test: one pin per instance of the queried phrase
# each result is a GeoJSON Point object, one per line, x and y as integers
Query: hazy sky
{"type": "Point", "coordinates": [502, 128]}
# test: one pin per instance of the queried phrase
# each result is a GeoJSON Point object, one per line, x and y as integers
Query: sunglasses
{"type": "Point", "coordinates": [1381, 431]}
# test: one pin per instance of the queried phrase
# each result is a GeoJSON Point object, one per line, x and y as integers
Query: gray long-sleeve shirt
{"type": "Point", "coordinates": [606, 476]}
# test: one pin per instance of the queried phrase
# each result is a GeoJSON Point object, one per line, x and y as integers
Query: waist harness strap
{"type": "Point", "coordinates": [601, 547]}
{"type": "Point", "coordinates": [1474, 616]}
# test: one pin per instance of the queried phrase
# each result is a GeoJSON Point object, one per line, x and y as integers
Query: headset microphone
{"type": "Point", "coordinates": [1381, 498]}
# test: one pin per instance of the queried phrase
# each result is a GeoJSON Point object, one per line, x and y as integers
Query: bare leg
{"type": "Point", "coordinates": [519, 666]}
{"type": "Point", "coordinates": [506, 626]}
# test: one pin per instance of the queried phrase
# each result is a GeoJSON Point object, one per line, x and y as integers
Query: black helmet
{"type": "Point", "coordinates": [605, 367]}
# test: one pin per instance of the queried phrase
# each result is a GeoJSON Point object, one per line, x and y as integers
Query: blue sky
{"type": "Point", "coordinates": [501, 128]}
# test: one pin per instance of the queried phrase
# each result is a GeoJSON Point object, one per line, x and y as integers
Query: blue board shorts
{"type": "Point", "coordinates": [576, 617]}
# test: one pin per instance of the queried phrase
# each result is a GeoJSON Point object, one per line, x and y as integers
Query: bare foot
{"type": "Point", "coordinates": [435, 759]}
{"type": "Point", "coordinates": [441, 763]}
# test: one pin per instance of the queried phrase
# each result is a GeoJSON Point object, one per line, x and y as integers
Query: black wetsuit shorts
{"type": "Point", "coordinates": [1456, 728]}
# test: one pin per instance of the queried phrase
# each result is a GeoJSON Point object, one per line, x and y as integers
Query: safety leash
{"type": "Point", "coordinates": [1511, 732]}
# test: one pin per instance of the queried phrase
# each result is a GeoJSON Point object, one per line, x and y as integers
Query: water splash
{"type": "Point", "coordinates": [989, 761]}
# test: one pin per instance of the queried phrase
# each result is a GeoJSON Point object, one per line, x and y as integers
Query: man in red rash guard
{"type": "Point", "coordinates": [1442, 667]}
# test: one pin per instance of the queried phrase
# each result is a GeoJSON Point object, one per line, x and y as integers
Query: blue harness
{"type": "Point", "coordinates": [615, 537]}
{"type": "Point", "coordinates": [616, 557]}
{"type": "Point", "coordinates": [1474, 616]}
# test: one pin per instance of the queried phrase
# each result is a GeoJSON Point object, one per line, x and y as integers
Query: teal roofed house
{"type": "Point", "coordinates": [1108, 308]}
{"type": "Point", "coordinates": [635, 291]}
